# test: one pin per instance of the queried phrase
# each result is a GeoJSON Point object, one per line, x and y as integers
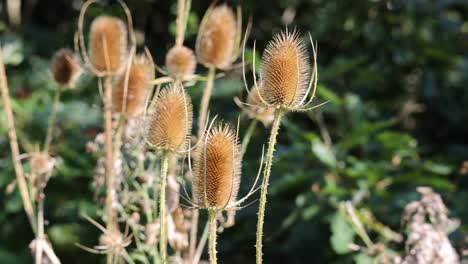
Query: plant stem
{"type": "Point", "coordinates": [162, 206]}
{"type": "Point", "coordinates": [40, 227]}
{"type": "Point", "coordinates": [264, 188]}
{"type": "Point", "coordinates": [111, 224]}
{"type": "Point", "coordinates": [53, 115]}
{"type": "Point", "coordinates": [180, 22]}
{"type": "Point", "coordinates": [248, 136]}
{"type": "Point", "coordinates": [201, 245]}
{"type": "Point", "coordinates": [212, 239]}
{"type": "Point", "coordinates": [201, 124]}
{"type": "Point", "coordinates": [15, 155]}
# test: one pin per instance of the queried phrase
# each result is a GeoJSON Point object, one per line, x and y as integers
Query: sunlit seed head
{"type": "Point", "coordinates": [170, 120]}
{"type": "Point", "coordinates": [108, 44]}
{"type": "Point", "coordinates": [285, 71]}
{"type": "Point", "coordinates": [180, 62]}
{"type": "Point", "coordinates": [217, 166]}
{"type": "Point", "coordinates": [131, 99]}
{"type": "Point", "coordinates": [65, 67]}
{"type": "Point", "coordinates": [216, 38]}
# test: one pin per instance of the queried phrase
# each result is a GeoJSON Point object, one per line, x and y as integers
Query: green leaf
{"type": "Point", "coordinates": [324, 153]}
{"type": "Point", "coordinates": [342, 234]}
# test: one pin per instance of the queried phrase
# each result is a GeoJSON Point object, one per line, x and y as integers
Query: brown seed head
{"type": "Point", "coordinates": [139, 76]}
{"type": "Point", "coordinates": [216, 38]}
{"type": "Point", "coordinates": [171, 120]}
{"type": "Point", "coordinates": [65, 67]}
{"type": "Point", "coordinates": [217, 169]}
{"type": "Point", "coordinates": [180, 62]}
{"type": "Point", "coordinates": [108, 44]}
{"type": "Point", "coordinates": [285, 71]}
{"type": "Point", "coordinates": [255, 109]}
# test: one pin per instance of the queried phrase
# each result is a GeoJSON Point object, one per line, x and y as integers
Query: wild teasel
{"type": "Point", "coordinates": [285, 86]}
{"type": "Point", "coordinates": [215, 45]}
{"type": "Point", "coordinates": [108, 44]}
{"type": "Point", "coordinates": [131, 88]}
{"type": "Point", "coordinates": [180, 62]}
{"type": "Point", "coordinates": [255, 109]}
{"type": "Point", "coordinates": [65, 67]}
{"type": "Point", "coordinates": [216, 176]}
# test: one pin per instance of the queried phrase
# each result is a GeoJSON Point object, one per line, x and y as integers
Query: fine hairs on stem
{"type": "Point", "coordinates": [212, 233]}
{"type": "Point", "coordinates": [162, 205]}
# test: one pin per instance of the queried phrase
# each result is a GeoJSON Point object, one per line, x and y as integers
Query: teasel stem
{"type": "Point", "coordinates": [212, 239]}
{"type": "Point", "coordinates": [40, 227]}
{"type": "Point", "coordinates": [109, 159]}
{"type": "Point", "coordinates": [180, 22]}
{"type": "Point", "coordinates": [266, 176]}
{"type": "Point", "coordinates": [201, 123]}
{"type": "Point", "coordinates": [248, 136]}
{"type": "Point", "coordinates": [162, 205]}
{"type": "Point", "coordinates": [15, 154]}
{"type": "Point", "coordinates": [52, 117]}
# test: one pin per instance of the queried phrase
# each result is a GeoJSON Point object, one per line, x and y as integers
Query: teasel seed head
{"type": "Point", "coordinates": [171, 120]}
{"type": "Point", "coordinates": [139, 76]}
{"type": "Point", "coordinates": [65, 67]}
{"type": "Point", "coordinates": [108, 44]}
{"type": "Point", "coordinates": [215, 43]}
{"type": "Point", "coordinates": [180, 62]}
{"type": "Point", "coordinates": [217, 165]}
{"type": "Point", "coordinates": [285, 71]}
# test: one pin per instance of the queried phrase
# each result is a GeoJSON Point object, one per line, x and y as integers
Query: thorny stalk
{"type": "Point", "coordinates": [162, 206]}
{"type": "Point", "coordinates": [264, 188]}
{"type": "Point", "coordinates": [40, 226]}
{"type": "Point", "coordinates": [52, 117]}
{"type": "Point", "coordinates": [212, 233]}
{"type": "Point", "coordinates": [20, 178]}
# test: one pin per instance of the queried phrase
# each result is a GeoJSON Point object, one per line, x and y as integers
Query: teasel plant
{"type": "Point", "coordinates": [169, 130]}
{"type": "Point", "coordinates": [105, 56]}
{"type": "Point", "coordinates": [216, 177]}
{"type": "Point", "coordinates": [285, 85]}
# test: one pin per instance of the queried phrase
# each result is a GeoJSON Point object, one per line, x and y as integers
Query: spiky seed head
{"type": "Point", "coordinates": [65, 67]}
{"type": "Point", "coordinates": [139, 76]}
{"type": "Point", "coordinates": [171, 120]}
{"type": "Point", "coordinates": [217, 166]}
{"type": "Point", "coordinates": [285, 71]}
{"type": "Point", "coordinates": [216, 38]}
{"type": "Point", "coordinates": [108, 34]}
{"type": "Point", "coordinates": [255, 109]}
{"type": "Point", "coordinates": [180, 62]}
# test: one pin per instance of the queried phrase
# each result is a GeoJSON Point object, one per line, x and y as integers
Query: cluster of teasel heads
{"type": "Point", "coordinates": [287, 83]}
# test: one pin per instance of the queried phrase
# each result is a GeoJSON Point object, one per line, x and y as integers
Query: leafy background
{"type": "Point", "coordinates": [394, 73]}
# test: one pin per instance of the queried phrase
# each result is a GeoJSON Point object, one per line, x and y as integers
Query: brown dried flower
{"type": "Point", "coordinates": [216, 38]}
{"type": "Point", "coordinates": [108, 44]}
{"type": "Point", "coordinates": [65, 67]}
{"type": "Point", "coordinates": [180, 62]}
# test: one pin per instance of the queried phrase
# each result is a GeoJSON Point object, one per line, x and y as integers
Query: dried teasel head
{"type": "Point", "coordinates": [285, 71]}
{"type": "Point", "coordinates": [171, 120]}
{"type": "Point", "coordinates": [255, 109]}
{"type": "Point", "coordinates": [108, 44]}
{"type": "Point", "coordinates": [216, 38]}
{"type": "Point", "coordinates": [180, 62]}
{"type": "Point", "coordinates": [130, 96]}
{"type": "Point", "coordinates": [216, 174]}
{"type": "Point", "coordinates": [65, 67]}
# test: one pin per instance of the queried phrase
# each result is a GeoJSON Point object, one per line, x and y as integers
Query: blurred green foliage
{"type": "Point", "coordinates": [394, 74]}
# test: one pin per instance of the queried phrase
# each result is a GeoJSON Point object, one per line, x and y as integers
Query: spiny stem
{"type": "Point", "coordinates": [162, 206]}
{"type": "Point", "coordinates": [40, 227]}
{"type": "Point", "coordinates": [15, 155]}
{"type": "Point", "coordinates": [248, 136]}
{"type": "Point", "coordinates": [53, 115]}
{"type": "Point", "coordinates": [264, 188]}
{"type": "Point", "coordinates": [201, 124]}
{"type": "Point", "coordinates": [111, 224]}
{"type": "Point", "coordinates": [212, 239]}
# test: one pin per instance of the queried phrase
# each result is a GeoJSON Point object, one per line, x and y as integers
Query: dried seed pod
{"type": "Point", "coordinates": [216, 38]}
{"type": "Point", "coordinates": [65, 67]}
{"type": "Point", "coordinates": [180, 61]}
{"type": "Point", "coordinates": [108, 44]}
{"type": "Point", "coordinates": [255, 109]}
{"type": "Point", "coordinates": [285, 71]}
{"type": "Point", "coordinates": [131, 101]}
{"type": "Point", "coordinates": [171, 120]}
{"type": "Point", "coordinates": [217, 169]}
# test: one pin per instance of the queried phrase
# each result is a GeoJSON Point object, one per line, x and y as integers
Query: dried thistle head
{"type": "Point", "coordinates": [171, 120]}
{"type": "Point", "coordinates": [285, 71]}
{"type": "Point", "coordinates": [216, 38]}
{"type": "Point", "coordinates": [131, 97]}
{"type": "Point", "coordinates": [65, 67]}
{"type": "Point", "coordinates": [108, 44]}
{"type": "Point", "coordinates": [255, 109]}
{"type": "Point", "coordinates": [217, 164]}
{"type": "Point", "coordinates": [180, 62]}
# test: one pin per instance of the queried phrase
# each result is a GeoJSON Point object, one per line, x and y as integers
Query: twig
{"type": "Point", "coordinates": [53, 115]}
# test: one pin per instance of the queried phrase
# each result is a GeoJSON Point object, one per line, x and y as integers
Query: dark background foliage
{"type": "Point", "coordinates": [394, 73]}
